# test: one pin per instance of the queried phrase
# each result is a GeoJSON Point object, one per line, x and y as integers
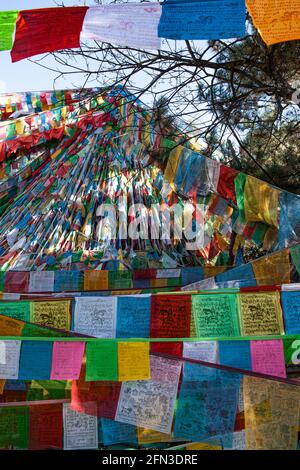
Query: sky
{"type": "Point", "coordinates": [24, 75]}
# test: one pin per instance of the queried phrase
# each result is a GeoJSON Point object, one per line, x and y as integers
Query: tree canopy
{"type": "Point", "coordinates": [239, 98]}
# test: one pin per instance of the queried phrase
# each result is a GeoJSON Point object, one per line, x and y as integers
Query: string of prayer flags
{"type": "Point", "coordinates": [128, 24]}
{"type": "Point", "coordinates": [188, 158]}
{"type": "Point", "coordinates": [140, 26]}
{"type": "Point", "coordinates": [129, 361]}
{"type": "Point", "coordinates": [220, 19]}
{"type": "Point", "coordinates": [260, 313]}
{"type": "Point", "coordinates": [47, 30]}
{"type": "Point", "coordinates": [275, 24]}
{"type": "Point", "coordinates": [158, 316]}
{"type": "Point", "coordinates": [269, 407]}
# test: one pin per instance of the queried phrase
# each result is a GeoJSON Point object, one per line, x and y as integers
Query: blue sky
{"type": "Point", "coordinates": [24, 75]}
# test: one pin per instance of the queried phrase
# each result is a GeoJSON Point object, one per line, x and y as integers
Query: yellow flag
{"type": "Point", "coordinates": [133, 361]}
{"type": "Point", "coordinates": [10, 326]}
{"type": "Point", "coordinates": [2, 383]}
{"type": "Point", "coordinates": [260, 313]}
{"type": "Point", "coordinates": [158, 283]}
{"type": "Point", "coordinates": [210, 271]}
{"type": "Point", "coordinates": [271, 414]}
{"type": "Point", "coordinates": [126, 292]}
{"type": "Point", "coordinates": [202, 446]}
{"type": "Point", "coordinates": [55, 314]}
{"type": "Point", "coordinates": [148, 436]}
{"type": "Point", "coordinates": [273, 269]}
{"type": "Point", "coordinates": [8, 107]}
{"type": "Point", "coordinates": [223, 244]}
{"type": "Point", "coordinates": [20, 126]}
{"type": "Point", "coordinates": [172, 165]}
{"type": "Point", "coordinates": [261, 202]}
{"type": "Point", "coordinates": [95, 280]}
{"type": "Point", "coordinates": [276, 20]}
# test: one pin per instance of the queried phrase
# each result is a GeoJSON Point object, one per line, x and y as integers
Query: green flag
{"type": "Point", "coordinates": [14, 427]}
{"type": "Point", "coordinates": [295, 254]}
{"type": "Point", "coordinates": [102, 361]}
{"type": "Point", "coordinates": [7, 26]}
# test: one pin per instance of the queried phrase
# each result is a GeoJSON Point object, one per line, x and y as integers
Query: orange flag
{"type": "Point", "coordinates": [276, 20]}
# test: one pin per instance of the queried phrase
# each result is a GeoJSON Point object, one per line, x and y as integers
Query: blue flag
{"type": "Point", "coordinates": [210, 19]}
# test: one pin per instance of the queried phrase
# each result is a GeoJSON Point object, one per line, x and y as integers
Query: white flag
{"type": "Point", "coordinates": [127, 24]}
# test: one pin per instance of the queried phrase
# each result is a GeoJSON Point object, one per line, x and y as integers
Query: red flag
{"type": "Point", "coordinates": [45, 427]}
{"type": "Point", "coordinates": [47, 30]}
{"type": "Point", "coordinates": [170, 316]}
{"type": "Point", "coordinates": [226, 187]}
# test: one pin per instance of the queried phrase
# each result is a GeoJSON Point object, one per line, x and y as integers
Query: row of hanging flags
{"type": "Point", "coordinates": [184, 401]}
{"type": "Point", "coordinates": [141, 25]}
{"type": "Point", "coordinates": [80, 392]}
{"type": "Point", "coordinates": [204, 314]}
{"type": "Point", "coordinates": [280, 268]}
{"type": "Point", "coordinates": [97, 347]}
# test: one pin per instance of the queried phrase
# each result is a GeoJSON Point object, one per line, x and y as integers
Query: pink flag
{"type": "Point", "coordinates": [66, 360]}
{"type": "Point", "coordinates": [267, 357]}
